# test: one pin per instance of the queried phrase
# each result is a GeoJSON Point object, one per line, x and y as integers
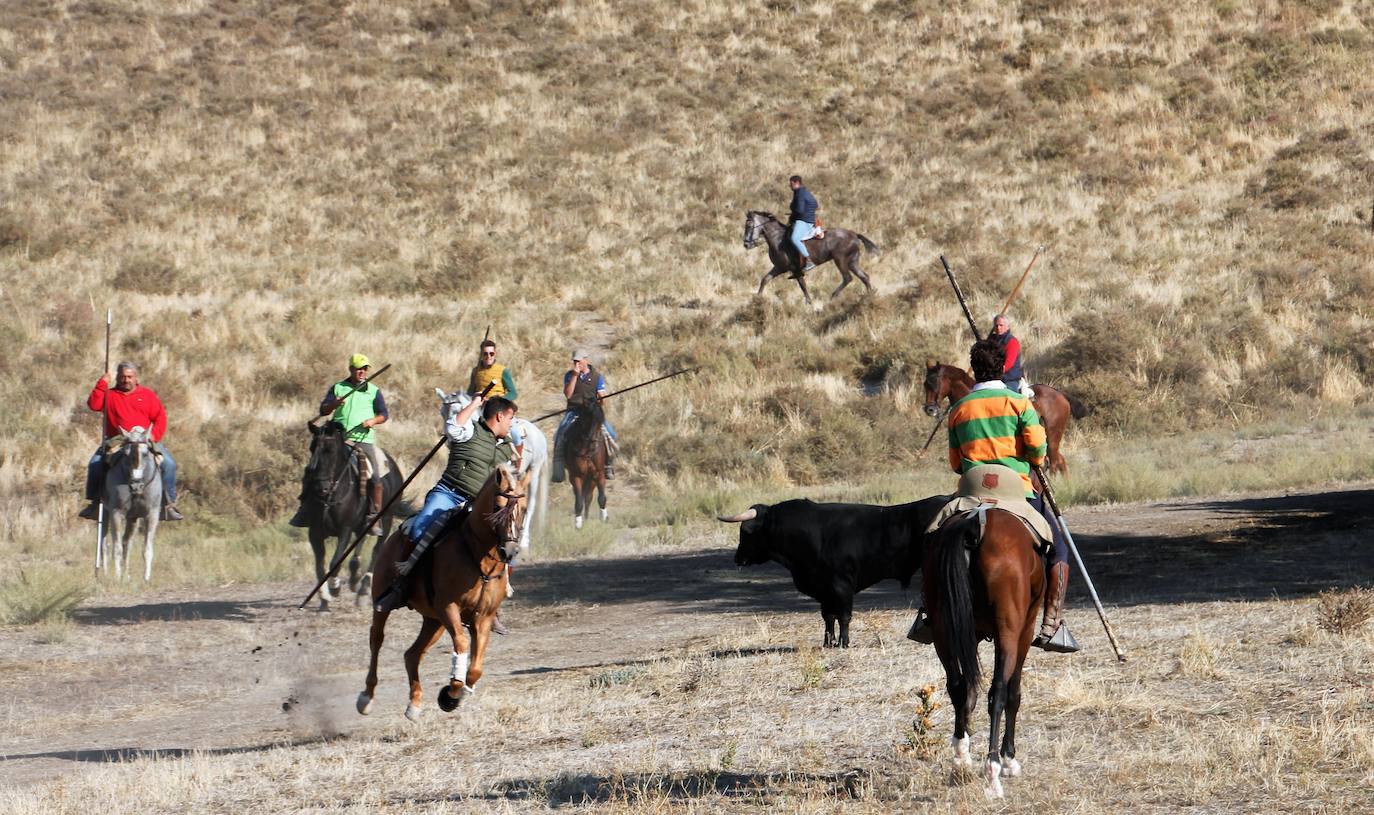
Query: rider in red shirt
{"type": "Point", "coordinates": [128, 406]}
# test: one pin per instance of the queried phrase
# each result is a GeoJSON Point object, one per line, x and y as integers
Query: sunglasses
{"type": "Point", "coordinates": [488, 353]}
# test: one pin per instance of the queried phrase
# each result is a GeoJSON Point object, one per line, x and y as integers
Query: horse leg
{"type": "Point", "coordinates": [374, 644]}
{"type": "Point", "coordinates": [842, 263]}
{"type": "Point", "coordinates": [345, 537]}
{"type": "Point", "coordinates": [481, 638]}
{"type": "Point", "coordinates": [960, 698]}
{"type": "Point", "coordinates": [126, 542]}
{"type": "Point", "coordinates": [860, 273]}
{"type": "Point", "coordinates": [430, 629]}
{"type": "Point", "coordinates": [801, 281]}
{"type": "Point", "coordinates": [1010, 766]}
{"type": "Point", "coordinates": [364, 587]}
{"type": "Point", "coordinates": [458, 686]}
{"type": "Point", "coordinates": [772, 273]}
{"type": "Point", "coordinates": [579, 501]}
{"type": "Point", "coordinates": [601, 497]}
{"type": "Point", "coordinates": [1005, 664]}
{"type": "Point", "coordinates": [317, 547]}
{"type": "Point", "coordinates": [149, 532]}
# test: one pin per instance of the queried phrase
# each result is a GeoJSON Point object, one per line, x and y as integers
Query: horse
{"type": "Point", "coordinates": [461, 585]}
{"type": "Point", "coordinates": [1054, 406]}
{"type": "Point", "coordinates": [840, 245]}
{"type": "Point", "coordinates": [337, 505]}
{"type": "Point", "coordinates": [133, 493]}
{"type": "Point", "coordinates": [989, 585]}
{"type": "Point", "coordinates": [584, 455]}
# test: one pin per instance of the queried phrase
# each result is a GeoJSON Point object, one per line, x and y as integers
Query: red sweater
{"type": "Point", "coordinates": [139, 407]}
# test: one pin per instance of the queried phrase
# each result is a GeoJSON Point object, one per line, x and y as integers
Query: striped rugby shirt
{"type": "Point", "coordinates": [993, 425]}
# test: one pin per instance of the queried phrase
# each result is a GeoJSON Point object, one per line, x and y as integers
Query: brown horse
{"type": "Point", "coordinates": [584, 455]}
{"type": "Point", "coordinates": [989, 585]}
{"type": "Point", "coordinates": [461, 587]}
{"type": "Point", "coordinates": [840, 245]}
{"type": "Point", "coordinates": [1054, 406]}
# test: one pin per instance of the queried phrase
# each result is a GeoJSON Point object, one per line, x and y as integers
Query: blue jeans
{"type": "Point", "coordinates": [440, 503]}
{"type": "Point", "coordinates": [95, 475]}
{"type": "Point", "coordinates": [801, 230]}
{"type": "Point", "coordinates": [1012, 384]}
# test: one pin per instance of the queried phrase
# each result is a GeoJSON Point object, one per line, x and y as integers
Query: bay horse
{"type": "Point", "coordinates": [336, 503]}
{"type": "Point", "coordinates": [984, 585]}
{"type": "Point", "coordinates": [840, 245]}
{"type": "Point", "coordinates": [133, 493]}
{"type": "Point", "coordinates": [1054, 406]}
{"type": "Point", "coordinates": [460, 586]}
{"type": "Point", "coordinates": [584, 455]}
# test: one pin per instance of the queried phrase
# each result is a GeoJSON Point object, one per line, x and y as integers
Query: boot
{"type": "Point", "coordinates": [612, 450]}
{"type": "Point", "coordinates": [374, 507]}
{"type": "Point", "coordinates": [301, 519]}
{"type": "Point", "coordinates": [91, 512]}
{"type": "Point", "coordinates": [807, 265]}
{"type": "Point", "coordinates": [1054, 634]}
{"type": "Point", "coordinates": [170, 513]}
{"type": "Point", "coordinates": [394, 597]}
{"type": "Point", "coordinates": [497, 627]}
{"type": "Point", "coordinates": [921, 630]}
{"type": "Point", "coordinates": [556, 475]}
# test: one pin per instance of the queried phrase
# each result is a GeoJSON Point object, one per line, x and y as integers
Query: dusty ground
{"type": "Point", "coordinates": [1210, 597]}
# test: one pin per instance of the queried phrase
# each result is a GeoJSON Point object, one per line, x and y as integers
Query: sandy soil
{"type": "Point", "coordinates": [239, 669]}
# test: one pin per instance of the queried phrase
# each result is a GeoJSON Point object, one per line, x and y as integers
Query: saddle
{"type": "Point", "coordinates": [993, 486]}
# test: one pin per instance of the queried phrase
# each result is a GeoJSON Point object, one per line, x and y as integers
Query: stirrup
{"type": "Point", "coordinates": [921, 630]}
{"type": "Point", "coordinates": [1063, 641]}
{"type": "Point", "coordinates": [391, 599]}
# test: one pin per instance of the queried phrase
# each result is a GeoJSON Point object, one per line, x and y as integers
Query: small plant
{"type": "Point", "coordinates": [41, 596]}
{"type": "Point", "coordinates": [812, 667]}
{"type": "Point", "coordinates": [922, 740]}
{"type": "Point", "coordinates": [1343, 612]}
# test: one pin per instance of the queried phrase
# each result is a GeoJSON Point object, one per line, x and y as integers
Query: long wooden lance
{"type": "Point", "coordinates": [960, 294]}
{"type": "Point", "coordinates": [339, 561]}
{"type": "Point", "coordinates": [1078, 559]}
{"type": "Point", "coordinates": [939, 421]}
{"type": "Point", "coordinates": [104, 414]}
{"type": "Point", "coordinates": [622, 390]}
{"type": "Point", "coordinates": [1017, 290]}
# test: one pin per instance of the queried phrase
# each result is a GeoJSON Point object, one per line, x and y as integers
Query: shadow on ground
{"type": "Point", "coordinates": [1252, 549]}
{"type": "Point", "coordinates": [172, 612]}
{"type": "Point", "coordinates": [112, 755]}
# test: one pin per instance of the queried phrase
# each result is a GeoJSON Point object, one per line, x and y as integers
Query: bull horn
{"type": "Point", "coordinates": [747, 515]}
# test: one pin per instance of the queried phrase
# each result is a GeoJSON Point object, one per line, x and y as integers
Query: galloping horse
{"type": "Point", "coordinates": [584, 454]}
{"type": "Point", "coordinates": [840, 245]}
{"type": "Point", "coordinates": [337, 503]}
{"type": "Point", "coordinates": [984, 587]}
{"type": "Point", "coordinates": [461, 587]}
{"type": "Point", "coordinates": [133, 493]}
{"type": "Point", "coordinates": [1054, 406]}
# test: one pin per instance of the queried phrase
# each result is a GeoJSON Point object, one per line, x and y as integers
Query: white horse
{"type": "Point", "coordinates": [133, 493]}
{"type": "Point", "coordinates": [535, 459]}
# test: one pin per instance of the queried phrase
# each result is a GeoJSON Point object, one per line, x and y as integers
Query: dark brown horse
{"type": "Point", "coordinates": [1054, 406]}
{"type": "Point", "coordinates": [984, 586]}
{"type": "Point", "coordinates": [840, 245]}
{"type": "Point", "coordinates": [460, 587]}
{"type": "Point", "coordinates": [584, 455]}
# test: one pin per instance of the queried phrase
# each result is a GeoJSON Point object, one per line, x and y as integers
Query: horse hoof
{"type": "Point", "coordinates": [413, 712]}
{"type": "Point", "coordinates": [1011, 768]}
{"type": "Point", "coordinates": [364, 703]}
{"type": "Point", "coordinates": [577, 522]}
{"type": "Point", "coordinates": [448, 703]}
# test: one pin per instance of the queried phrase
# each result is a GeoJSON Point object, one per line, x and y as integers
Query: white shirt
{"type": "Point", "coordinates": [991, 383]}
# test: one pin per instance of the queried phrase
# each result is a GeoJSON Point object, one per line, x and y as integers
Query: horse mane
{"type": "Point", "coordinates": [500, 515]}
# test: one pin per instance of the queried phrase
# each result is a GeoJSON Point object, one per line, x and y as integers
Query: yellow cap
{"type": "Point", "coordinates": [358, 361]}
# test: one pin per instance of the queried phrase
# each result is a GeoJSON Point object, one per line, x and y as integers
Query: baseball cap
{"type": "Point", "coordinates": [358, 361]}
{"type": "Point", "coordinates": [580, 354]}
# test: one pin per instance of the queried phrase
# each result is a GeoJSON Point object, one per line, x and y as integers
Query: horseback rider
{"type": "Point", "coordinates": [475, 449]}
{"type": "Point", "coordinates": [128, 406]}
{"type": "Point", "coordinates": [357, 405]}
{"type": "Point", "coordinates": [583, 385]}
{"type": "Point", "coordinates": [804, 222]}
{"type": "Point", "coordinates": [488, 371]}
{"type": "Point", "coordinates": [1011, 347]}
{"type": "Point", "coordinates": [994, 424]}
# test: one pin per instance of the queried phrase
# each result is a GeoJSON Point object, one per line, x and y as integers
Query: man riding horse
{"type": "Point", "coordinates": [357, 405]}
{"type": "Point", "coordinates": [1012, 375]}
{"type": "Point", "coordinates": [582, 386]}
{"type": "Point", "coordinates": [476, 447]}
{"type": "Point", "coordinates": [128, 406]}
{"type": "Point", "coordinates": [996, 425]}
{"type": "Point", "coordinates": [489, 372]}
{"type": "Point", "coordinates": [804, 223]}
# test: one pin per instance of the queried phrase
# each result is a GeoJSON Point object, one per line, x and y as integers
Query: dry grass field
{"type": "Point", "coordinates": [259, 189]}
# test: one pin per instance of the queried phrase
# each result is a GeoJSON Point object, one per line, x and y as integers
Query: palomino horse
{"type": "Point", "coordinates": [988, 587]}
{"type": "Point", "coordinates": [535, 460]}
{"type": "Point", "coordinates": [337, 503]}
{"type": "Point", "coordinates": [1054, 406]}
{"type": "Point", "coordinates": [133, 493]}
{"type": "Point", "coordinates": [459, 586]}
{"type": "Point", "coordinates": [584, 455]}
{"type": "Point", "coordinates": [840, 245]}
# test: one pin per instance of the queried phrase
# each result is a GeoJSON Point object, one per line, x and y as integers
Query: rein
{"type": "Point", "coordinates": [500, 516]}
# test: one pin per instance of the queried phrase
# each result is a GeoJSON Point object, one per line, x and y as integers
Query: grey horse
{"type": "Point", "coordinates": [840, 245]}
{"type": "Point", "coordinates": [133, 493]}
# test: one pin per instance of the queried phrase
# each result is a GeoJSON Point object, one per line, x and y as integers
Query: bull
{"type": "Point", "coordinates": [835, 551]}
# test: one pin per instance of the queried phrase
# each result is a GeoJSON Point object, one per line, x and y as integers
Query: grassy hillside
{"type": "Point", "coordinates": [260, 189]}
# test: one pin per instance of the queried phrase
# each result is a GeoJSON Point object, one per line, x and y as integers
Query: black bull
{"type": "Point", "coordinates": [835, 551]}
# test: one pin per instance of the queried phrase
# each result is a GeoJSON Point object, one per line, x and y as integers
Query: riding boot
{"type": "Point", "coordinates": [394, 597]}
{"type": "Point", "coordinates": [612, 450]}
{"type": "Point", "coordinates": [91, 512]}
{"type": "Point", "coordinates": [921, 630]}
{"type": "Point", "coordinates": [1054, 634]}
{"type": "Point", "coordinates": [497, 627]}
{"type": "Point", "coordinates": [170, 513]}
{"type": "Point", "coordinates": [556, 475]}
{"type": "Point", "coordinates": [807, 265]}
{"type": "Point", "coordinates": [301, 519]}
{"type": "Point", "coordinates": [374, 507]}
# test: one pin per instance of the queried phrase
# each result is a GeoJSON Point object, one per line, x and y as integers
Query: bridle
{"type": "Point", "coordinates": [328, 498]}
{"type": "Point", "coordinates": [510, 516]}
{"type": "Point", "coordinates": [753, 225]}
{"type": "Point", "coordinates": [932, 405]}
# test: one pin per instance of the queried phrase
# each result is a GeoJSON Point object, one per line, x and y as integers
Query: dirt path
{"type": "Point", "coordinates": [241, 670]}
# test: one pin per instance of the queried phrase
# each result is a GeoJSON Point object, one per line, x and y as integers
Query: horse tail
{"type": "Point", "coordinates": [1076, 408]}
{"type": "Point", "coordinates": [956, 600]}
{"type": "Point", "coordinates": [868, 244]}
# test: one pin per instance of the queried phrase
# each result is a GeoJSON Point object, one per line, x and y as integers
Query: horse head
{"type": "Point", "coordinates": [753, 227]}
{"type": "Point", "coordinates": [936, 387]}
{"type": "Point", "coordinates": [451, 403]}
{"type": "Point", "coordinates": [329, 455]}
{"type": "Point", "coordinates": [135, 449]}
{"type": "Point", "coordinates": [509, 503]}
{"type": "Point", "coordinates": [586, 428]}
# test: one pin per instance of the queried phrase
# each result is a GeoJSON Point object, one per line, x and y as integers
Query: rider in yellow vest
{"type": "Point", "coordinates": [358, 406]}
{"type": "Point", "coordinates": [488, 371]}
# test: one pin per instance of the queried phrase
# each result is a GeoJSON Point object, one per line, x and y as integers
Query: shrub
{"type": "Point", "coordinates": [1343, 612]}
{"type": "Point", "coordinates": [41, 596]}
{"type": "Point", "coordinates": [147, 273]}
